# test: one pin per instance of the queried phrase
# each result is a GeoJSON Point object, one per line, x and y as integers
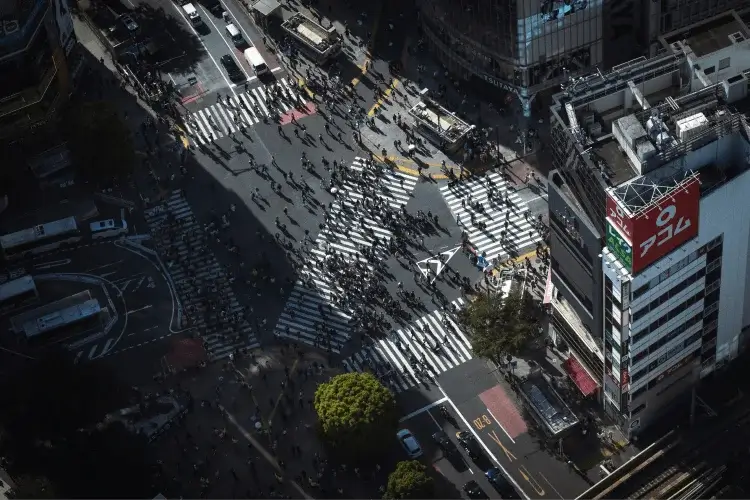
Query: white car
{"type": "Point", "coordinates": [409, 443]}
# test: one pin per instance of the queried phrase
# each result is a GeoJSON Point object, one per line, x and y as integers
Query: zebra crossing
{"type": "Point", "coordinates": [194, 269]}
{"type": "Point", "coordinates": [435, 341]}
{"type": "Point", "coordinates": [247, 109]}
{"type": "Point", "coordinates": [311, 306]}
{"type": "Point", "coordinates": [499, 216]}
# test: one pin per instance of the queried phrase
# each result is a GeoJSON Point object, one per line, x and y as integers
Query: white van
{"type": "Point", "coordinates": [192, 14]}
{"type": "Point", "coordinates": [108, 228]}
{"type": "Point", "coordinates": [255, 60]}
{"type": "Point", "coordinates": [235, 34]}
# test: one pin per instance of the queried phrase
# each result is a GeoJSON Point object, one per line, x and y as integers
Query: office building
{"type": "Point", "coordinates": [649, 279]}
{"type": "Point", "coordinates": [37, 62]}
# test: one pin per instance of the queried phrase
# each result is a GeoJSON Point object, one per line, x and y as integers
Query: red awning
{"type": "Point", "coordinates": [580, 376]}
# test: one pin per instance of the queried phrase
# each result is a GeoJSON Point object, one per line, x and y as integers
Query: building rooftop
{"type": "Point", "coordinates": [549, 408]}
{"type": "Point", "coordinates": [615, 166]}
{"type": "Point", "coordinates": [710, 36]}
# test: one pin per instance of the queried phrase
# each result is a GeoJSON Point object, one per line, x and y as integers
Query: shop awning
{"type": "Point", "coordinates": [580, 376]}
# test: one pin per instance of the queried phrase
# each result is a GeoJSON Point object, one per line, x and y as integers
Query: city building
{"type": "Point", "coordinates": [38, 61]}
{"type": "Point", "coordinates": [527, 47]}
{"type": "Point", "coordinates": [650, 228]}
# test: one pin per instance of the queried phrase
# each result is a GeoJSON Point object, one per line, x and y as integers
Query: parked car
{"type": "Point", "coordinates": [445, 444]}
{"type": "Point", "coordinates": [129, 23]}
{"type": "Point", "coordinates": [473, 490]}
{"type": "Point", "coordinates": [234, 71]}
{"type": "Point", "coordinates": [409, 443]}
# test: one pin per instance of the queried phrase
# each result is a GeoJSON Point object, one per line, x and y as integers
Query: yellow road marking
{"type": "Point", "coordinates": [403, 168]}
{"type": "Point", "coordinates": [183, 137]}
{"type": "Point", "coordinates": [387, 94]}
{"type": "Point", "coordinates": [281, 394]}
{"type": "Point", "coordinates": [520, 258]}
{"type": "Point", "coordinates": [303, 84]}
{"type": "Point", "coordinates": [368, 54]}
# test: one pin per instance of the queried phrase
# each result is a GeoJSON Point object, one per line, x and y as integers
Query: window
{"type": "Point", "coordinates": [710, 71]}
{"type": "Point", "coordinates": [672, 292]}
{"type": "Point", "coordinates": [724, 63]}
{"type": "Point", "coordinates": [670, 315]}
{"type": "Point", "coordinates": [638, 409]}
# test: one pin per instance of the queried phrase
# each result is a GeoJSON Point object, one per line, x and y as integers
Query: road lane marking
{"type": "Point", "coordinates": [559, 495]}
{"type": "Point", "coordinates": [140, 309]}
{"type": "Point", "coordinates": [368, 52]}
{"type": "Point", "coordinates": [107, 347]}
{"type": "Point", "coordinates": [92, 351]}
{"type": "Point", "coordinates": [232, 50]}
{"type": "Point", "coordinates": [422, 410]}
{"type": "Point", "coordinates": [208, 53]}
{"type": "Point", "coordinates": [386, 95]}
{"type": "Point", "coordinates": [500, 425]}
{"type": "Point", "coordinates": [510, 456]}
{"type": "Point", "coordinates": [484, 445]}
{"type": "Point", "coordinates": [529, 478]}
{"type": "Point", "coordinates": [269, 458]}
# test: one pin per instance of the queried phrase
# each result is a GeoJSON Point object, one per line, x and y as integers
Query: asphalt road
{"type": "Point", "coordinates": [130, 284]}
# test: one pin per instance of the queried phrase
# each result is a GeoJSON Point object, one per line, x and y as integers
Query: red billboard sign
{"type": "Point", "coordinates": [618, 218]}
{"type": "Point", "coordinates": [671, 221]}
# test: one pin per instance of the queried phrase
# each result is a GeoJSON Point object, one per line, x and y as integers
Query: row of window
{"type": "Point", "coordinates": [672, 292]}
{"type": "Point", "coordinates": [697, 318]}
{"type": "Point", "coordinates": [673, 313]}
{"type": "Point", "coordinates": [634, 377]}
{"type": "Point", "coordinates": [675, 268]}
{"type": "Point", "coordinates": [653, 383]}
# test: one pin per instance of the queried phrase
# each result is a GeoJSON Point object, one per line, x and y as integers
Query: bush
{"type": "Point", "coordinates": [410, 480]}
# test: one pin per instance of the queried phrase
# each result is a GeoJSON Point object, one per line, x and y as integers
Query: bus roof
{"type": "Point", "coordinates": [61, 318]}
{"type": "Point", "coordinates": [10, 289]}
{"type": "Point", "coordinates": [38, 232]}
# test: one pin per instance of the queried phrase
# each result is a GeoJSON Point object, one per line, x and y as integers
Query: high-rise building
{"type": "Point", "coordinates": [649, 281]}
{"type": "Point", "coordinates": [521, 46]}
{"type": "Point", "coordinates": [526, 47]}
{"type": "Point", "coordinates": [37, 58]}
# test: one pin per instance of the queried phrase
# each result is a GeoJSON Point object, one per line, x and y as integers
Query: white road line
{"type": "Point", "coordinates": [243, 112]}
{"type": "Point", "coordinates": [500, 425]}
{"type": "Point", "coordinates": [230, 47]}
{"type": "Point", "coordinates": [190, 25]}
{"type": "Point", "coordinates": [422, 410]}
{"type": "Point", "coordinates": [92, 351]}
{"type": "Point", "coordinates": [260, 97]}
{"type": "Point", "coordinates": [484, 445]}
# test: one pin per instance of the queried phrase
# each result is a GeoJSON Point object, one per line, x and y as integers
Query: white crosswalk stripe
{"type": "Point", "coordinates": [316, 313]}
{"type": "Point", "coordinates": [408, 357]}
{"type": "Point", "coordinates": [198, 276]}
{"type": "Point", "coordinates": [221, 118]}
{"type": "Point", "coordinates": [506, 216]}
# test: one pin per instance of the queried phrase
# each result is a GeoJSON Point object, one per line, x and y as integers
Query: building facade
{"type": "Point", "coordinates": [650, 234]}
{"type": "Point", "coordinates": [38, 58]}
{"type": "Point", "coordinates": [520, 46]}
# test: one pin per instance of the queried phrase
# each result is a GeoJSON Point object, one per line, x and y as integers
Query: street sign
{"type": "Point", "coordinates": [433, 266]}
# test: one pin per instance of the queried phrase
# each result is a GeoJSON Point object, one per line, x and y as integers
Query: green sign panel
{"type": "Point", "coordinates": [618, 246]}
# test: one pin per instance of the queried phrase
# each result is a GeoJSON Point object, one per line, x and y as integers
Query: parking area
{"type": "Point", "coordinates": [138, 307]}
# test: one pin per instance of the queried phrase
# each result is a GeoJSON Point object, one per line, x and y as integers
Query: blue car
{"type": "Point", "coordinates": [501, 484]}
{"type": "Point", "coordinates": [409, 443]}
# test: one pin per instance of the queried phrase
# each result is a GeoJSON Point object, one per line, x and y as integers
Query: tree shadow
{"type": "Point", "coordinates": [177, 49]}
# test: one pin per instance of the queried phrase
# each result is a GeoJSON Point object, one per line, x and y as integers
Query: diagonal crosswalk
{"type": "Point", "coordinates": [495, 227]}
{"type": "Point", "coordinates": [242, 110]}
{"type": "Point", "coordinates": [411, 356]}
{"type": "Point", "coordinates": [316, 312]}
{"type": "Point", "coordinates": [203, 284]}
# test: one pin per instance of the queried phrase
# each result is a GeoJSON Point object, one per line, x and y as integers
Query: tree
{"type": "Point", "coordinates": [357, 416]}
{"type": "Point", "coordinates": [410, 480]}
{"type": "Point", "coordinates": [99, 140]}
{"type": "Point", "coordinates": [499, 326]}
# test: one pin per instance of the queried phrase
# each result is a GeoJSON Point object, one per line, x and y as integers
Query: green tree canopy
{"type": "Point", "coordinates": [410, 480]}
{"type": "Point", "coordinates": [499, 326]}
{"type": "Point", "coordinates": [99, 140]}
{"type": "Point", "coordinates": [357, 416]}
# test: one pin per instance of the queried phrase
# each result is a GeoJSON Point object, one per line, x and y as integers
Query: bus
{"type": "Point", "coordinates": [18, 291]}
{"type": "Point", "coordinates": [80, 315]}
{"type": "Point", "coordinates": [40, 238]}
